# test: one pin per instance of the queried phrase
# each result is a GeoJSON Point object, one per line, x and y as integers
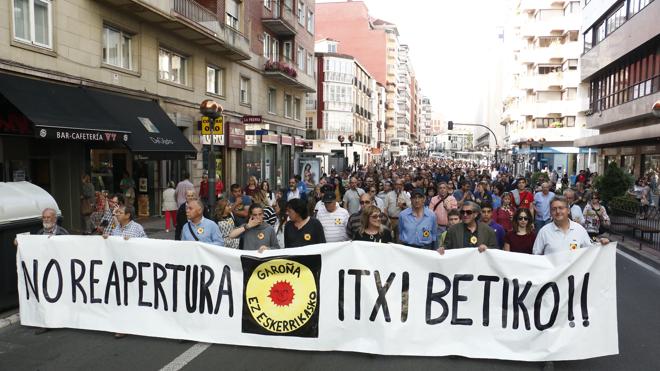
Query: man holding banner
{"type": "Point", "coordinates": [471, 232]}
{"type": "Point", "coordinates": [417, 225]}
{"type": "Point", "coordinates": [198, 228]}
{"type": "Point", "coordinates": [562, 234]}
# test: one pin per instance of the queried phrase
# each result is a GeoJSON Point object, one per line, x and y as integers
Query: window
{"type": "Point", "coordinates": [274, 50]}
{"type": "Point", "coordinates": [116, 48]}
{"type": "Point", "coordinates": [172, 66]}
{"type": "Point", "coordinates": [288, 4]}
{"type": "Point", "coordinates": [287, 51]}
{"type": "Point", "coordinates": [215, 78]}
{"type": "Point", "coordinates": [332, 48]}
{"type": "Point", "coordinates": [572, 7]}
{"type": "Point", "coordinates": [296, 108]}
{"type": "Point", "coordinates": [288, 105]}
{"type": "Point", "coordinates": [634, 6]}
{"type": "Point", "coordinates": [300, 58]}
{"type": "Point", "coordinates": [310, 64]}
{"type": "Point", "coordinates": [301, 12]}
{"type": "Point", "coordinates": [310, 21]}
{"type": "Point", "coordinates": [244, 90]}
{"type": "Point", "coordinates": [588, 40]}
{"type": "Point", "coordinates": [33, 22]}
{"type": "Point", "coordinates": [615, 20]}
{"type": "Point", "coordinates": [267, 3]}
{"type": "Point", "coordinates": [309, 123]}
{"type": "Point", "coordinates": [571, 65]}
{"type": "Point", "coordinates": [568, 121]}
{"type": "Point", "coordinates": [272, 101]}
{"type": "Point", "coordinates": [267, 46]}
{"type": "Point", "coordinates": [569, 94]}
{"type": "Point", "coordinates": [233, 12]}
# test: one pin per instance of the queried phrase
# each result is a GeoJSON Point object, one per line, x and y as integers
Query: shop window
{"type": "Point", "coordinates": [172, 66]}
{"type": "Point", "coordinates": [33, 22]}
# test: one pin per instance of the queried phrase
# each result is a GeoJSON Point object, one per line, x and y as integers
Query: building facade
{"type": "Point", "coordinates": [171, 54]}
{"type": "Point", "coordinates": [542, 111]}
{"type": "Point", "coordinates": [621, 69]}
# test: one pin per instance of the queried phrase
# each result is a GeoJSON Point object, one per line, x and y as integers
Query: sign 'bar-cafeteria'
{"type": "Point", "coordinates": [353, 296]}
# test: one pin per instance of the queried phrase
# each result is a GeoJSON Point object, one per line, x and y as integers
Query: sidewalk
{"type": "Point", "coordinates": [154, 226]}
{"type": "Point", "coordinates": [647, 254]}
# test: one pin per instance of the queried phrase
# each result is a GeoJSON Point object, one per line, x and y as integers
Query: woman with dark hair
{"type": "Point", "coordinates": [595, 216]}
{"type": "Point", "coordinates": [371, 227]}
{"type": "Point", "coordinates": [280, 212]}
{"type": "Point", "coordinates": [256, 234]}
{"type": "Point", "coordinates": [430, 193]}
{"type": "Point", "coordinates": [521, 238]}
{"type": "Point", "coordinates": [503, 215]}
{"type": "Point", "coordinates": [226, 223]}
{"type": "Point", "coordinates": [498, 190]}
{"type": "Point", "coordinates": [301, 230]}
{"type": "Point", "coordinates": [265, 187]}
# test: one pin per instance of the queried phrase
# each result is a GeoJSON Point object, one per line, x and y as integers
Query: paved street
{"type": "Point", "coordinates": [21, 349]}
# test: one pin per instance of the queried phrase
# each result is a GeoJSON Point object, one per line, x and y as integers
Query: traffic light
{"type": "Point", "coordinates": [450, 125]}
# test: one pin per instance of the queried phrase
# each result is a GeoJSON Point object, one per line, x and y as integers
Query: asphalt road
{"type": "Point", "coordinates": [20, 349]}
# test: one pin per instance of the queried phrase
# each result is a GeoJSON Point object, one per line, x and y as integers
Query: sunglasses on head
{"type": "Point", "coordinates": [467, 212]}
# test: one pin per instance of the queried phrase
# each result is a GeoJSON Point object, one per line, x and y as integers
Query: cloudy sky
{"type": "Point", "coordinates": [450, 42]}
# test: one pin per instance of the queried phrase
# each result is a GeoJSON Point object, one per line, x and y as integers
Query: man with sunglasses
{"type": "Point", "coordinates": [471, 232]}
{"type": "Point", "coordinates": [417, 225]}
{"type": "Point", "coordinates": [562, 234]}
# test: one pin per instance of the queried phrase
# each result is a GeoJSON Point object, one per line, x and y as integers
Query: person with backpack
{"type": "Point", "coordinates": [441, 204]}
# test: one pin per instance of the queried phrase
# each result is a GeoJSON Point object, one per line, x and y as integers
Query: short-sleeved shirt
{"type": "Point", "coordinates": [247, 201]}
{"type": "Point", "coordinates": [550, 239]}
{"type": "Point", "coordinates": [352, 200]}
{"type": "Point", "coordinates": [415, 232]}
{"type": "Point", "coordinates": [131, 229]}
{"type": "Point", "coordinates": [310, 234]}
{"type": "Point", "coordinates": [334, 224]}
{"type": "Point", "coordinates": [205, 231]}
{"type": "Point", "coordinates": [525, 199]}
{"type": "Point", "coordinates": [518, 243]}
{"type": "Point", "coordinates": [542, 205]}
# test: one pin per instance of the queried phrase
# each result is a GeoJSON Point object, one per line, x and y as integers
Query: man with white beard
{"type": "Point", "coordinates": [49, 224]}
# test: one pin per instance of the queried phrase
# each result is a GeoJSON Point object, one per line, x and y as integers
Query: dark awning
{"type": "Point", "coordinates": [60, 111]}
{"type": "Point", "coordinates": [153, 134]}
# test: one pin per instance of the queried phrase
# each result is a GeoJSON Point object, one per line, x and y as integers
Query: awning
{"type": "Point", "coordinates": [153, 134]}
{"type": "Point", "coordinates": [627, 135]}
{"type": "Point", "coordinates": [60, 111]}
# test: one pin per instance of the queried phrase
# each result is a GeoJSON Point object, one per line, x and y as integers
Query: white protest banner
{"type": "Point", "coordinates": [353, 296]}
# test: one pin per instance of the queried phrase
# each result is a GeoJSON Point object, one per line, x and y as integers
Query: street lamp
{"type": "Point", "coordinates": [540, 141]}
{"type": "Point", "coordinates": [212, 110]}
{"type": "Point", "coordinates": [341, 140]}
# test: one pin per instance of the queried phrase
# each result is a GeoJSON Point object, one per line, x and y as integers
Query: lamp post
{"type": "Point", "coordinates": [540, 141]}
{"type": "Point", "coordinates": [212, 110]}
{"type": "Point", "coordinates": [341, 140]}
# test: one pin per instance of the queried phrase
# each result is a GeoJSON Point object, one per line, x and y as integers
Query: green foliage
{"type": "Point", "coordinates": [614, 183]}
{"type": "Point", "coordinates": [626, 204]}
{"type": "Point", "coordinates": [536, 175]}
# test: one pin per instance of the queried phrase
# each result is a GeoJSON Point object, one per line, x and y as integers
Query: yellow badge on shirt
{"type": "Point", "coordinates": [338, 221]}
{"type": "Point", "coordinates": [473, 240]}
{"type": "Point", "coordinates": [426, 233]}
{"type": "Point", "coordinates": [573, 246]}
{"type": "Point", "coordinates": [307, 237]}
{"type": "Point", "coordinates": [200, 230]}
{"type": "Point", "coordinates": [261, 236]}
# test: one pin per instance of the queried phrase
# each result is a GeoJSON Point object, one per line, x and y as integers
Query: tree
{"type": "Point", "coordinates": [614, 183]}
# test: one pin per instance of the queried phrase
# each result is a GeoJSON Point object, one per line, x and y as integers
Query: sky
{"type": "Point", "coordinates": [449, 46]}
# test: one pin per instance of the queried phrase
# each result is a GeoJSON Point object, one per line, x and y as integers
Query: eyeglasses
{"type": "Point", "coordinates": [365, 202]}
{"type": "Point", "coordinates": [467, 212]}
{"type": "Point", "coordinates": [375, 216]}
{"type": "Point", "coordinates": [521, 218]}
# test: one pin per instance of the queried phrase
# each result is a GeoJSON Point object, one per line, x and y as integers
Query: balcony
{"type": "Point", "coordinates": [551, 27]}
{"type": "Point", "coordinates": [545, 109]}
{"type": "Point", "coordinates": [542, 55]}
{"type": "Point", "coordinates": [288, 75]}
{"type": "Point", "coordinates": [281, 21]}
{"type": "Point", "coordinates": [551, 135]}
{"type": "Point", "coordinates": [541, 82]}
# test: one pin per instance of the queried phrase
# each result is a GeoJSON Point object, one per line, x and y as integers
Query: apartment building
{"type": "Point", "coordinates": [425, 111]}
{"type": "Point", "coordinates": [542, 112]}
{"type": "Point", "coordinates": [105, 87]}
{"type": "Point", "coordinates": [346, 107]}
{"type": "Point", "coordinates": [621, 69]}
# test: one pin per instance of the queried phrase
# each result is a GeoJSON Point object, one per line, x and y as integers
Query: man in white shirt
{"type": "Point", "coordinates": [352, 196]}
{"type": "Point", "coordinates": [576, 211]}
{"type": "Point", "coordinates": [562, 234]}
{"type": "Point", "coordinates": [333, 219]}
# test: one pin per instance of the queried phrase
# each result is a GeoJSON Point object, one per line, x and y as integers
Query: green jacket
{"type": "Point", "coordinates": [485, 235]}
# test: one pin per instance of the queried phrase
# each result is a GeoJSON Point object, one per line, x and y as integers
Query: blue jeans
{"type": "Point", "coordinates": [538, 224]}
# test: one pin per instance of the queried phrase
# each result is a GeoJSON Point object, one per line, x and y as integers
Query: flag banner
{"type": "Point", "coordinates": [351, 296]}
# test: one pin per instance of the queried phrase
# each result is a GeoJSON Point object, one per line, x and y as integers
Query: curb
{"type": "Point", "coordinates": [8, 321]}
{"type": "Point", "coordinates": [652, 261]}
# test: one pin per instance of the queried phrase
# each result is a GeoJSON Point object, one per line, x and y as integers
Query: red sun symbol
{"type": "Point", "coordinates": [281, 293]}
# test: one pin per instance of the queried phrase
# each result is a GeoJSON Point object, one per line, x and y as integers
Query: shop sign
{"type": "Point", "coordinates": [308, 145]}
{"type": "Point", "coordinates": [299, 142]}
{"type": "Point", "coordinates": [627, 150]}
{"type": "Point", "coordinates": [247, 119]}
{"type": "Point", "coordinates": [218, 140]}
{"type": "Point", "coordinates": [273, 139]}
{"type": "Point", "coordinates": [217, 125]}
{"type": "Point", "coordinates": [14, 123]}
{"type": "Point", "coordinates": [82, 135]}
{"type": "Point", "coordinates": [236, 135]}
{"type": "Point", "coordinates": [287, 141]}
{"type": "Point", "coordinates": [650, 149]}
{"type": "Point", "coordinates": [251, 140]}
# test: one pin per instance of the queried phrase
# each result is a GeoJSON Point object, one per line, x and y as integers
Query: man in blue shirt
{"type": "Point", "coordinates": [542, 206]}
{"type": "Point", "coordinates": [240, 204]}
{"type": "Point", "coordinates": [417, 225]}
{"type": "Point", "coordinates": [487, 218]}
{"type": "Point", "coordinates": [198, 228]}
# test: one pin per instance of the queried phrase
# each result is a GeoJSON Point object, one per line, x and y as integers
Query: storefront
{"type": "Point", "coordinates": [53, 133]}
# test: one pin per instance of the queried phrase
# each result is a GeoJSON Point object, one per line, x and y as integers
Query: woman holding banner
{"type": "Point", "coordinates": [521, 238]}
{"type": "Point", "coordinates": [371, 228]}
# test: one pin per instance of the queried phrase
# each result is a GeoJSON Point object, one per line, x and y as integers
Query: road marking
{"type": "Point", "coordinates": [184, 358]}
{"type": "Point", "coordinates": [639, 262]}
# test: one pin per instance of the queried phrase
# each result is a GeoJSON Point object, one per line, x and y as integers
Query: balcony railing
{"type": "Point", "coordinates": [281, 20]}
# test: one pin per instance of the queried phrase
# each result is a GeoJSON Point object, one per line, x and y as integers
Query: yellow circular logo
{"type": "Point", "coordinates": [338, 221]}
{"type": "Point", "coordinates": [281, 295]}
{"type": "Point", "coordinates": [261, 236]}
{"type": "Point", "coordinates": [200, 230]}
{"type": "Point", "coordinates": [573, 246]}
{"type": "Point", "coordinates": [473, 240]}
{"type": "Point", "coordinates": [426, 233]}
{"type": "Point", "coordinates": [307, 237]}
